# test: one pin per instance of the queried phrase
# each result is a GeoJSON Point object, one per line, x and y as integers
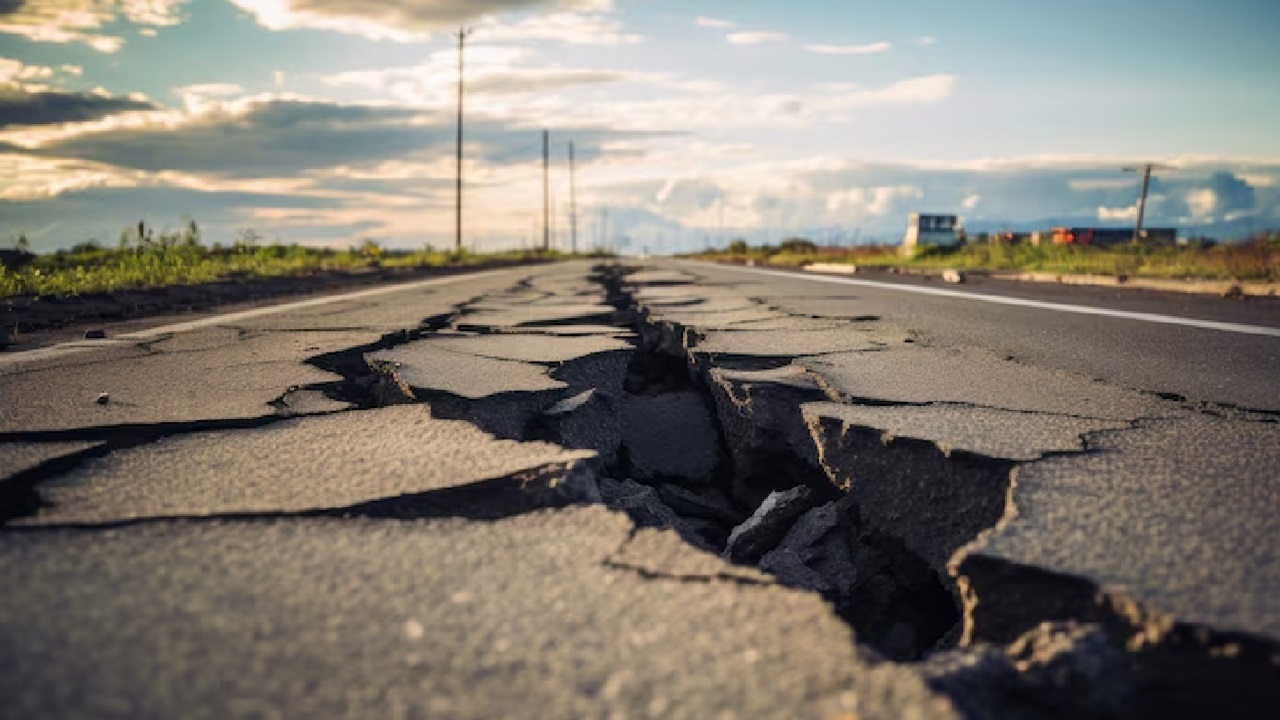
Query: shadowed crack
{"type": "Point", "coordinates": [549, 487]}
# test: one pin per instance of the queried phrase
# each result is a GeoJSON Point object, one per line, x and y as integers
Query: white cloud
{"type": "Point", "coordinates": [711, 22]}
{"type": "Point", "coordinates": [196, 98]}
{"type": "Point", "coordinates": [16, 72]}
{"type": "Point", "coordinates": [28, 178]}
{"type": "Point", "coordinates": [926, 40]}
{"type": "Point", "coordinates": [927, 89]}
{"type": "Point", "coordinates": [870, 49]}
{"type": "Point", "coordinates": [1107, 214]}
{"type": "Point", "coordinates": [83, 21]}
{"type": "Point", "coordinates": [1202, 203]}
{"type": "Point", "coordinates": [971, 202]}
{"type": "Point", "coordinates": [861, 201]}
{"type": "Point", "coordinates": [581, 22]}
{"type": "Point", "coordinates": [574, 28]}
{"type": "Point", "coordinates": [493, 70]}
{"type": "Point", "coordinates": [756, 38]}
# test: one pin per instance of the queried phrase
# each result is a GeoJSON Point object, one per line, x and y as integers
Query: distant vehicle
{"type": "Point", "coordinates": [930, 230]}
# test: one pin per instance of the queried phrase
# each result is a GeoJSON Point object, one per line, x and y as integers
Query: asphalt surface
{"type": "Point", "coordinates": [509, 495]}
{"type": "Point", "coordinates": [1210, 366]}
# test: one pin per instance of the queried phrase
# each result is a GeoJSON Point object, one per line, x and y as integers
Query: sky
{"type": "Point", "coordinates": [327, 122]}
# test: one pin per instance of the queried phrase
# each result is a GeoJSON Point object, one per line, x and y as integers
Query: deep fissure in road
{"type": "Point", "coordinates": [767, 506]}
{"type": "Point", "coordinates": [874, 527]}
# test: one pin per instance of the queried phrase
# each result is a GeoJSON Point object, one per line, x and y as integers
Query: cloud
{"type": "Point", "coordinates": [711, 22]}
{"type": "Point", "coordinates": [270, 137]}
{"type": "Point", "coordinates": [492, 70]}
{"type": "Point", "coordinates": [1128, 214]}
{"type": "Point", "coordinates": [871, 49]}
{"type": "Point", "coordinates": [822, 197]}
{"type": "Point", "coordinates": [23, 108]}
{"type": "Point", "coordinates": [694, 107]}
{"type": "Point", "coordinates": [99, 212]}
{"type": "Point", "coordinates": [574, 28]}
{"type": "Point", "coordinates": [585, 22]}
{"type": "Point", "coordinates": [873, 200]}
{"type": "Point", "coordinates": [926, 40]}
{"type": "Point", "coordinates": [24, 177]}
{"type": "Point", "coordinates": [28, 99]}
{"type": "Point", "coordinates": [756, 38]}
{"type": "Point", "coordinates": [83, 21]}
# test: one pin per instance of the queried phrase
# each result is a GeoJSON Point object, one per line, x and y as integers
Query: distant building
{"type": "Point", "coordinates": [1110, 237]}
{"type": "Point", "coordinates": [924, 230]}
{"type": "Point", "coordinates": [1014, 238]}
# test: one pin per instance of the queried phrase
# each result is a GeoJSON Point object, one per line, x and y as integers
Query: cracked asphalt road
{"type": "Point", "coordinates": [508, 496]}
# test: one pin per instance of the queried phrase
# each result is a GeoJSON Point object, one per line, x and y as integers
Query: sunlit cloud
{"type": "Point", "coordinates": [582, 22]}
{"type": "Point", "coordinates": [85, 21]}
{"type": "Point", "coordinates": [869, 49]}
{"type": "Point", "coordinates": [756, 38]}
{"type": "Point", "coordinates": [710, 22]}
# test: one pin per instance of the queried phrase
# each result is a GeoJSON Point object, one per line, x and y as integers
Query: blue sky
{"type": "Point", "coordinates": [326, 121]}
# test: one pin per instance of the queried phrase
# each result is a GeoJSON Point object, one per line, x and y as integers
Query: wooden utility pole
{"type": "Point", "coordinates": [573, 203]}
{"type": "Point", "coordinates": [546, 190]}
{"type": "Point", "coordinates": [462, 35]}
{"type": "Point", "coordinates": [1146, 171]}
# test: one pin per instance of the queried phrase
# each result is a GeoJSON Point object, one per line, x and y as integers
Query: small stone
{"type": "Point", "coordinates": [104, 399]}
{"type": "Point", "coordinates": [766, 528]}
{"type": "Point", "coordinates": [95, 334]}
{"type": "Point", "coordinates": [814, 554]}
{"type": "Point", "coordinates": [953, 277]}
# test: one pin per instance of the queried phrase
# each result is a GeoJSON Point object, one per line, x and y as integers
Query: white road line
{"type": "Point", "coordinates": [78, 346]}
{"type": "Point", "coordinates": [1037, 304]}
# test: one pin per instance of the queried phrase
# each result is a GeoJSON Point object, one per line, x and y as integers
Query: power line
{"type": "Point", "coordinates": [462, 35]}
{"type": "Point", "coordinates": [573, 203]}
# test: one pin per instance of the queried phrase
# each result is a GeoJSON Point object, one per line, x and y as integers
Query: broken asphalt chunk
{"type": "Point", "coordinates": [294, 466]}
{"type": "Point", "coordinates": [768, 525]}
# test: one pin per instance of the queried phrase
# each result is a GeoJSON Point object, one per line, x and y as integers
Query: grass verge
{"type": "Point", "coordinates": [91, 269]}
{"type": "Point", "coordinates": [1255, 261]}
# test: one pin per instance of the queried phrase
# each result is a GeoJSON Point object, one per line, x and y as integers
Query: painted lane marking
{"type": "Point", "coordinates": [124, 340]}
{"type": "Point", "coordinates": [1019, 302]}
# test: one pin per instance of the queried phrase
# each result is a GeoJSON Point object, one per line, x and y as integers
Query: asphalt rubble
{"type": "Point", "coordinates": [749, 458]}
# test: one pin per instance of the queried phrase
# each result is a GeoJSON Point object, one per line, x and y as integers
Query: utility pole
{"type": "Point", "coordinates": [1146, 171]}
{"type": "Point", "coordinates": [573, 203]}
{"type": "Point", "coordinates": [720, 222]}
{"type": "Point", "coordinates": [546, 190]}
{"type": "Point", "coordinates": [462, 35]}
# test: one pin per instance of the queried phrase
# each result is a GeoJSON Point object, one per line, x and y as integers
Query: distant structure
{"type": "Point", "coordinates": [925, 230]}
{"type": "Point", "coordinates": [1110, 237]}
{"type": "Point", "coordinates": [1007, 237]}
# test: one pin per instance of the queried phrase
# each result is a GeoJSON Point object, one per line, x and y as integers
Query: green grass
{"type": "Point", "coordinates": [179, 259]}
{"type": "Point", "coordinates": [1256, 261]}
